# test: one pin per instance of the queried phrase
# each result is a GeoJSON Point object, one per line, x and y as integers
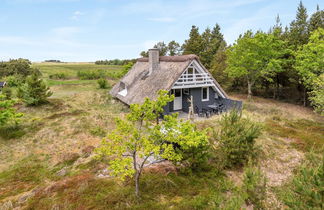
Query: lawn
{"type": "Point", "coordinates": [55, 137]}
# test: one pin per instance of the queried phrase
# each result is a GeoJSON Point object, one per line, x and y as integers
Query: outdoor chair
{"type": "Point", "coordinates": [199, 112]}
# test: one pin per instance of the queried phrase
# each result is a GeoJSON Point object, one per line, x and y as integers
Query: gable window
{"type": "Point", "coordinates": [190, 72]}
{"type": "Point", "coordinates": [205, 94]}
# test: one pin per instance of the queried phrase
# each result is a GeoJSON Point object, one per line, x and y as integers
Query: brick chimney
{"type": "Point", "coordinates": [153, 59]}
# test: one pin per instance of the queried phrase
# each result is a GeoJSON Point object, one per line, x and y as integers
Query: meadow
{"type": "Point", "coordinates": [47, 163]}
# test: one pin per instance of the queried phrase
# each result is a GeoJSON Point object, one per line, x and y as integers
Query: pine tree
{"type": "Point", "coordinates": [34, 92]}
{"type": "Point", "coordinates": [316, 20]}
{"type": "Point", "coordinates": [193, 45]}
{"type": "Point", "coordinates": [299, 27]}
{"type": "Point", "coordinates": [174, 48]}
{"type": "Point", "coordinates": [218, 66]}
{"type": "Point", "coordinates": [212, 40]}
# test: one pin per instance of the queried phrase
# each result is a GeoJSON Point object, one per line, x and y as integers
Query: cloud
{"type": "Point", "coordinates": [76, 15]}
{"type": "Point", "coordinates": [65, 32]}
{"type": "Point", "coordinates": [254, 22]}
{"type": "Point", "coordinates": [162, 19]}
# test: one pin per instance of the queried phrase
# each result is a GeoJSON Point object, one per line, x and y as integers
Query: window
{"type": "Point", "coordinates": [205, 94]}
{"type": "Point", "coordinates": [186, 91]}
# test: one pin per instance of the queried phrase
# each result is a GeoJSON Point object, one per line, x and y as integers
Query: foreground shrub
{"type": "Point", "coordinates": [34, 92]}
{"type": "Point", "coordinates": [306, 189]}
{"type": "Point", "coordinates": [254, 187]}
{"type": "Point", "coordinates": [7, 113]}
{"type": "Point", "coordinates": [14, 80]}
{"type": "Point", "coordinates": [103, 83]}
{"type": "Point", "coordinates": [237, 138]}
{"type": "Point", "coordinates": [7, 92]}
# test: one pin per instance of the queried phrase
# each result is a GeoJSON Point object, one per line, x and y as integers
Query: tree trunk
{"type": "Point", "coordinates": [137, 173]}
{"type": "Point", "coordinates": [137, 176]}
{"type": "Point", "coordinates": [249, 89]}
{"type": "Point", "coordinates": [305, 97]}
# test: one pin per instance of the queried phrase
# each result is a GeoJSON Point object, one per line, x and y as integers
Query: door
{"type": "Point", "coordinates": [177, 103]}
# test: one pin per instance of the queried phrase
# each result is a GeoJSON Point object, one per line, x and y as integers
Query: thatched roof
{"type": "Point", "coordinates": [141, 85]}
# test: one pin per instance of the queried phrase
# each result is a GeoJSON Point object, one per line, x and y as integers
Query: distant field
{"type": "Point", "coordinates": [71, 69]}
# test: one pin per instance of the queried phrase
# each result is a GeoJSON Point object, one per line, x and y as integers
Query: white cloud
{"type": "Point", "coordinates": [163, 19]}
{"type": "Point", "coordinates": [254, 22]}
{"type": "Point", "coordinates": [76, 15]}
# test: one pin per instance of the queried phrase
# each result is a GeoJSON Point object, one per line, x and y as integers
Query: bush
{"type": "Point", "coordinates": [34, 92]}
{"type": "Point", "coordinates": [58, 76]}
{"type": "Point", "coordinates": [7, 112]}
{"type": "Point", "coordinates": [103, 83]}
{"type": "Point", "coordinates": [14, 81]}
{"type": "Point", "coordinates": [91, 74]}
{"type": "Point", "coordinates": [306, 190]}
{"type": "Point", "coordinates": [237, 138]}
{"type": "Point", "coordinates": [254, 187]}
{"type": "Point", "coordinates": [7, 92]}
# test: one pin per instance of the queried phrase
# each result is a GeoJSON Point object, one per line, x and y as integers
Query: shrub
{"type": "Point", "coordinates": [14, 80]}
{"type": "Point", "coordinates": [91, 74]}
{"type": "Point", "coordinates": [58, 76]}
{"type": "Point", "coordinates": [254, 187]}
{"type": "Point", "coordinates": [7, 113]}
{"type": "Point", "coordinates": [306, 190]}
{"type": "Point", "coordinates": [237, 138]}
{"type": "Point", "coordinates": [7, 92]}
{"type": "Point", "coordinates": [103, 84]}
{"type": "Point", "coordinates": [34, 92]}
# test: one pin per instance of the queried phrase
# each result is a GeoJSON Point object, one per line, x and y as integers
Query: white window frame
{"type": "Point", "coordinates": [202, 94]}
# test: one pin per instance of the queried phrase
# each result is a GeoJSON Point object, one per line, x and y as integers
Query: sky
{"type": "Point", "coordinates": [90, 30]}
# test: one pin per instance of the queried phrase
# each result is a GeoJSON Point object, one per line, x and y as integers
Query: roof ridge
{"type": "Point", "coordinates": [176, 58]}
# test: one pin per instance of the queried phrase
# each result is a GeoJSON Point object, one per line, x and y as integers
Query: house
{"type": "Point", "coordinates": [184, 76]}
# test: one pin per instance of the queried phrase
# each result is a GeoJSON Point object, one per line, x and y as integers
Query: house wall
{"type": "Point", "coordinates": [196, 93]}
{"type": "Point", "coordinates": [197, 98]}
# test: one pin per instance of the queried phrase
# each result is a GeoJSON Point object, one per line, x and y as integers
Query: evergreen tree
{"type": "Point", "coordinates": [316, 20]}
{"type": "Point", "coordinates": [212, 40]}
{"type": "Point", "coordinates": [174, 48]}
{"type": "Point", "coordinates": [193, 45]}
{"type": "Point", "coordinates": [299, 27]}
{"type": "Point", "coordinates": [218, 67]}
{"type": "Point", "coordinates": [34, 92]}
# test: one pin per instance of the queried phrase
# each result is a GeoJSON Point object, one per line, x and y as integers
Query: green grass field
{"type": "Point", "coordinates": [54, 136]}
{"type": "Point", "coordinates": [71, 69]}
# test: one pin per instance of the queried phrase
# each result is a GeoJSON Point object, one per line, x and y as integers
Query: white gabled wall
{"type": "Point", "coordinates": [197, 78]}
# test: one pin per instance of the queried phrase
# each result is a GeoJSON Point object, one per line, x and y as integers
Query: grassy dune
{"type": "Point", "coordinates": [54, 137]}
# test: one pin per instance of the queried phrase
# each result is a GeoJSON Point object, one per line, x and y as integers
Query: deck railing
{"type": "Point", "coordinates": [193, 80]}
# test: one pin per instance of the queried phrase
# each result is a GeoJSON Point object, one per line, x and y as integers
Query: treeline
{"type": "Point", "coordinates": [285, 63]}
{"type": "Point", "coordinates": [115, 62]}
{"type": "Point", "coordinates": [53, 61]}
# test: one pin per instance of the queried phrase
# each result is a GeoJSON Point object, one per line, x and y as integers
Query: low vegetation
{"type": "Point", "coordinates": [53, 143]}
